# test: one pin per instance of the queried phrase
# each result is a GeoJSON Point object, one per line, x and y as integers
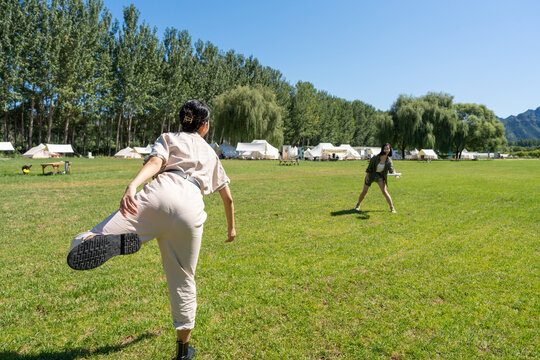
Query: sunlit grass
{"type": "Point", "coordinates": [454, 274]}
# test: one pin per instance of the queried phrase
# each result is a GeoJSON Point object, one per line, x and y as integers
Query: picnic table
{"type": "Point", "coordinates": [55, 166]}
{"type": "Point", "coordinates": [289, 162]}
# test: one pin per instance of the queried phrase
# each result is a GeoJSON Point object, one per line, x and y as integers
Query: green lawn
{"type": "Point", "coordinates": [453, 275]}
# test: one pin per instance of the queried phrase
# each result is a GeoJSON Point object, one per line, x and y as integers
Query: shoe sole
{"type": "Point", "coordinates": [96, 251]}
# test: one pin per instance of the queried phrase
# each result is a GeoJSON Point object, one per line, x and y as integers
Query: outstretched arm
{"type": "Point", "coordinates": [229, 211]}
{"type": "Point", "coordinates": [151, 168]}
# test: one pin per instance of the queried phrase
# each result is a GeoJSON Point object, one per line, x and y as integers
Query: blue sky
{"type": "Point", "coordinates": [485, 52]}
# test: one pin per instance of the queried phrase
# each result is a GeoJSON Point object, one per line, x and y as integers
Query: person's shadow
{"type": "Point", "coordinates": [362, 215]}
{"type": "Point", "coordinates": [76, 353]}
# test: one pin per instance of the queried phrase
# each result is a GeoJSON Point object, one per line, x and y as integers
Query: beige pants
{"type": "Point", "coordinates": [171, 210]}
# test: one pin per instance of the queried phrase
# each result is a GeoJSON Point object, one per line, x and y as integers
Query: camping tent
{"type": "Point", "coordinates": [411, 155]}
{"type": "Point", "coordinates": [351, 154]}
{"type": "Point", "coordinates": [39, 152]}
{"type": "Point", "coordinates": [363, 151]}
{"type": "Point", "coordinates": [257, 149]}
{"type": "Point", "coordinates": [425, 154]}
{"type": "Point", "coordinates": [228, 150]}
{"type": "Point", "coordinates": [6, 146]}
{"type": "Point", "coordinates": [127, 153]}
{"type": "Point", "coordinates": [324, 151]}
{"type": "Point", "coordinates": [465, 155]}
{"type": "Point", "coordinates": [59, 149]}
{"type": "Point", "coordinates": [396, 155]}
{"type": "Point", "coordinates": [143, 150]}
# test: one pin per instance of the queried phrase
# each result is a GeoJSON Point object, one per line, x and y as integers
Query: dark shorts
{"type": "Point", "coordinates": [378, 177]}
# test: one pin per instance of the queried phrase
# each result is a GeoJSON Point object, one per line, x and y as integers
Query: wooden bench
{"type": "Point", "coordinates": [288, 162]}
{"type": "Point", "coordinates": [55, 166]}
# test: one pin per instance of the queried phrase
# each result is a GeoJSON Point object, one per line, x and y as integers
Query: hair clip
{"type": "Point", "coordinates": [188, 119]}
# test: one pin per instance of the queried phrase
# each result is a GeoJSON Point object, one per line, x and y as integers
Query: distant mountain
{"type": "Point", "coordinates": [523, 126]}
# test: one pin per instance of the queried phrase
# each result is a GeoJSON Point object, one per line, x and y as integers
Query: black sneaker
{"type": "Point", "coordinates": [97, 250]}
{"type": "Point", "coordinates": [184, 351]}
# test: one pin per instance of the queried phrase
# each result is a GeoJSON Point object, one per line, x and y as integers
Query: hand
{"type": "Point", "coordinates": [397, 176]}
{"type": "Point", "coordinates": [231, 235]}
{"type": "Point", "coordinates": [127, 204]}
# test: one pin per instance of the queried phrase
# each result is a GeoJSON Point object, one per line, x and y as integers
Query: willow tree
{"type": "Point", "coordinates": [245, 114]}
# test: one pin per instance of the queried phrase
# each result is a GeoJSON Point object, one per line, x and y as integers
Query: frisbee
{"type": "Point", "coordinates": [394, 174]}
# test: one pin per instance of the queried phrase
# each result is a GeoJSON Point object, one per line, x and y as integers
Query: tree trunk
{"type": "Point", "coordinates": [163, 125]}
{"type": "Point", "coordinates": [6, 126]}
{"type": "Point", "coordinates": [22, 124]}
{"type": "Point", "coordinates": [49, 125]}
{"type": "Point", "coordinates": [403, 153]}
{"type": "Point", "coordinates": [130, 119]}
{"type": "Point", "coordinates": [15, 142]}
{"type": "Point", "coordinates": [66, 126]}
{"type": "Point", "coordinates": [109, 137]}
{"type": "Point", "coordinates": [98, 142]}
{"type": "Point", "coordinates": [31, 124]}
{"type": "Point", "coordinates": [118, 128]}
{"type": "Point", "coordinates": [40, 119]}
{"type": "Point", "coordinates": [84, 143]}
{"type": "Point", "coordinates": [72, 136]}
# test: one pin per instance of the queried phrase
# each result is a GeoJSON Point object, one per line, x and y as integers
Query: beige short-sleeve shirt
{"type": "Point", "coordinates": [190, 153]}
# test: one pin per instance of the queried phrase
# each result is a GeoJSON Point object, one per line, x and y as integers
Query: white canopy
{"type": "Point", "coordinates": [60, 148]}
{"type": "Point", "coordinates": [6, 146]}
{"type": "Point", "coordinates": [143, 150]}
{"type": "Point", "coordinates": [257, 149]}
{"type": "Point", "coordinates": [325, 151]}
{"type": "Point", "coordinates": [351, 154]}
{"type": "Point", "coordinates": [228, 150]}
{"type": "Point", "coordinates": [411, 155]}
{"type": "Point", "coordinates": [467, 155]}
{"type": "Point", "coordinates": [427, 154]}
{"type": "Point", "coordinates": [127, 153]}
{"type": "Point", "coordinates": [38, 152]}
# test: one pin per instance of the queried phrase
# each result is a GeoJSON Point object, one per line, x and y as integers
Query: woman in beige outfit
{"type": "Point", "coordinates": [169, 208]}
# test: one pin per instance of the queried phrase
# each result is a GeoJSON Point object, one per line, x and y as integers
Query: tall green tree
{"type": "Point", "coordinates": [245, 114]}
{"type": "Point", "coordinates": [485, 131]}
{"type": "Point", "coordinates": [304, 115]}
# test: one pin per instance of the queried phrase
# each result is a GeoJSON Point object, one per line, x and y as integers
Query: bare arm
{"type": "Point", "coordinates": [229, 211]}
{"type": "Point", "coordinates": [151, 168]}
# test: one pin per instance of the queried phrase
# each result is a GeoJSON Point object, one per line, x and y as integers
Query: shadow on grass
{"type": "Point", "coordinates": [77, 353]}
{"type": "Point", "coordinates": [363, 215]}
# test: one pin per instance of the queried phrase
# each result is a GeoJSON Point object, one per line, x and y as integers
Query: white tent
{"type": "Point", "coordinates": [38, 152]}
{"type": "Point", "coordinates": [60, 148]}
{"type": "Point", "coordinates": [289, 152]}
{"type": "Point", "coordinates": [425, 154]}
{"type": "Point", "coordinates": [465, 155]}
{"type": "Point", "coordinates": [143, 150]}
{"type": "Point", "coordinates": [364, 151]}
{"type": "Point", "coordinates": [6, 146]}
{"type": "Point", "coordinates": [228, 150]}
{"type": "Point", "coordinates": [324, 151]}
{"type": "Point", "coordinates": [257, 149]}
{"type": "Point", "coordinates": [351, 154]}
{"type": "Point", "coordinates": [127, 153]}
{"type": "Point", "coordinates": [411, 155]}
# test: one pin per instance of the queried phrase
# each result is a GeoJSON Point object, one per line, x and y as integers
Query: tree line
{"type": "Point", "coordinates": [70, 73]}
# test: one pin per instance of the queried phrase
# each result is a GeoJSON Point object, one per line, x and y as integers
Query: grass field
{"type": "Point", "coordinates": [453, 275]}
